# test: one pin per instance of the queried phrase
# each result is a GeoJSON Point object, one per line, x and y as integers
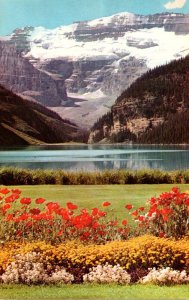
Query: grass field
{"type": "Point", "coordinates": [96, 292]}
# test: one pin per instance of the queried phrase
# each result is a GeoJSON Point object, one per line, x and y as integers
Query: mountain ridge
{"type": "Point", "coordinates": [148, 106]}
{"type": "Point", "coordinates": [92, 62]}
{"type": "Point", "coordinates": [23, 122]}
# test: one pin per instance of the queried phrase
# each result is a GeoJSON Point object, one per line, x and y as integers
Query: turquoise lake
{"type": "Point", "coordinates": [97, 157]}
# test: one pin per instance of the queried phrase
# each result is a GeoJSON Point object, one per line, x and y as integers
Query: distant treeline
{"type": "Point", "coordinates": [14, 176]}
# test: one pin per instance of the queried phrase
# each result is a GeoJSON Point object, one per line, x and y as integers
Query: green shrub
{"type": "Point", "coordinates": [15, 176]}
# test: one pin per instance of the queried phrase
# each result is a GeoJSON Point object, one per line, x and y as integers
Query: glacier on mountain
{"type": "Point", "coordinates": [98, 59]}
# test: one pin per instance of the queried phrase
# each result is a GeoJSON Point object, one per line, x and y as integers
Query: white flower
{"type": "Point", "coordinates": [29, 269]}
{"type": "Point", "coordinates": [165, 276]}
{"type": "Point", "coordinates": [107, 274]}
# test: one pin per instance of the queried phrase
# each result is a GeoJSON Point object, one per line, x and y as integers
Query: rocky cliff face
{"type": "Point", "coordinates": [20, 76]}
{"type": "Point", "coordinates": [92, 62]}
{"type": "Point", "coordinates": [157, 98]}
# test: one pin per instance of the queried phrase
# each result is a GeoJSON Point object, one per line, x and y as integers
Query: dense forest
{"type": "Point", "coordinates": [160, 94]}
{"type": "Point", "coordinates": [173, 131]}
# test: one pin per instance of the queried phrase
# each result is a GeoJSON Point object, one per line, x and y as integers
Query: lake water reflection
{"type": "Point", "coordinates": [97, 157]}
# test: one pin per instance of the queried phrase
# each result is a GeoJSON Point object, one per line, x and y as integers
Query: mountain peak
{"type": "Point", "coordinates": [92, 62]}
{"type": "Point", "coordinates": [124, 17]}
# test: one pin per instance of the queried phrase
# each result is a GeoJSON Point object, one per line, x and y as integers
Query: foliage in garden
{"type": "Point", "coordinates": [42, 242]}
{"type": "Point", "coordinates": [135, 256]}
{"type": "Point", "coordinates": [16, 176]}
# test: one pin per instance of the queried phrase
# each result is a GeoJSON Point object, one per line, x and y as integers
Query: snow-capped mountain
{"type": "Point", "coordinates": [96, 60]}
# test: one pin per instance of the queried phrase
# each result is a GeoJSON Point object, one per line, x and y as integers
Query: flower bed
{"type": "Point", "coordinates": [42, 242]}
{"type": "Point", "coordinates": [135, 256]}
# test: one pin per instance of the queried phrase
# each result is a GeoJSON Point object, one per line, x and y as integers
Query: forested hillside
{"type": "Point", "coordinates": [23, 122]}
{"type": "Point", "coordinates": [154, 109]}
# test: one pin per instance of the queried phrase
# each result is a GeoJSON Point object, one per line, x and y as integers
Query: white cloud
{"type": "Point", "coordinates": [175, 4]}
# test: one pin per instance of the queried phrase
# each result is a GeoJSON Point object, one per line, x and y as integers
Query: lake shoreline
{"type": "Point", "coordinates": [96, 157]}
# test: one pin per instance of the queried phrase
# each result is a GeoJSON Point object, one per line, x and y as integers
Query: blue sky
{"type": "Point", "coordinates": [53, 13]}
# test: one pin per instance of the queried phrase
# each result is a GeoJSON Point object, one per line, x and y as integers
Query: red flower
{"type": "Point", "coordinates": [186, 202]}
{"type": "Point", "coordinates": [175, 190]}
{"type": "Point", "coordinates": [4, 191]}
{"type": "Point", "coordinates": [23, 217]}
{"type": "Point", "coordinates": [106, 203]}
{"type": "Point", "coordinates": [16, 191]}
{"type": "Point", "coordinates": [9, 217]}
{"type": "Point", "coordinates": [124, 222]}
{"type": "Point", "coordinates": [128, 206]}
{"type": "Point", "coordinates": [66, 214]}
{"type": "Point", "coordinates": [101, 232]}
{"type": "Point", "coordinates": [95, 211]}
{"type": "Point", "coordinates": [11, 198]}
{"type": "Point", "coordinates": [152, 200]}
{"type": "Point", "coordinates": [39, 200]}
{"type": "Point", "coordinates": [86, 234]}
{"type": "Point", "coordinates": [35, 211]}
{"type": "Point", "coordinates": [71, 206]}
{"type": "Point", "coordinates": [178, 201]}
{"type": "Point", "coordinates": [166, 211]}
{"type": "Point", "coordinates": [19, 232]}
{"type": "Point", "coordinates": [53, 206]}
{"type": "Point", "coordinates": [25, 201]}
{"type": "Point", "coordinates": [95, 225]}
{"type": "Point", "coordinates": [135, 213]}
{"type": "Point", "coordinates": [141, 218]}
{"type": "Point", "coordinates": [6, 206]}
{"type": "Point", "coordinates": [141, 208]}
{"type": "Point", "coordinates": [101, 213]}
{"type": "Point", "coordinates": [29, 224]}
{"type": "Point", "coordinates": [60, 232]}
{"type": "Point", "coordinates": [113, 223]}
{"type": "Point", "coordinates": [161, 234]}
{"type": "Point", "coordinates": [165, 218]}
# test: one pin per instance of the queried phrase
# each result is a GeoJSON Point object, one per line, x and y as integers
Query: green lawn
{"type": "Point", "coordinates": [87, 291]}
{"type": "Point", "coordinates": [93, 196]}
